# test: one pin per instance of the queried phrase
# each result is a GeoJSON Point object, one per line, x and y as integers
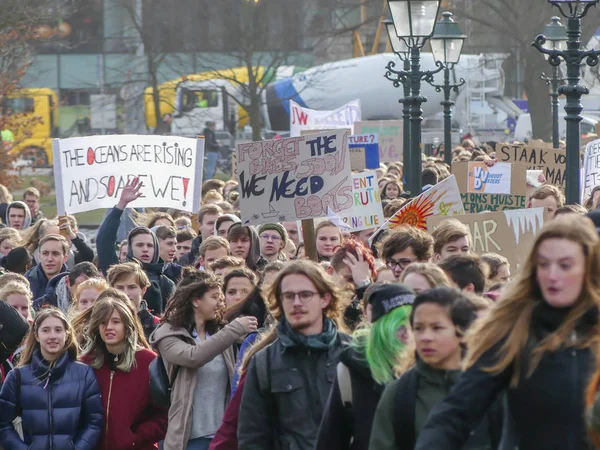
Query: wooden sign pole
{"type": "Point", "coordinates": [310, 240]}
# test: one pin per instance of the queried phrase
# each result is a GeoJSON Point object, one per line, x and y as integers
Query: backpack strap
{"type": "Point", "coordinates": [263, 370]}
{"type": "Point", "coordinates": [404, 410]}
{"type": "Point", "coordinates": [345, 384]}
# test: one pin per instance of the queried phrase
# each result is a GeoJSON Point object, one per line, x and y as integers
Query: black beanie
{"type": "Point", "coordinates": [386, 297]}
{"type": "Point", "coordinates": [17, 259]}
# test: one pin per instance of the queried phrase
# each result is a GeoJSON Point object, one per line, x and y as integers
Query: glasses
{"type": "Point", "coordinates": [270, 237]}
{"type": "Point", "coordinates": [304, 296]}
{"type": "Point", "coordinates": [402, 263]}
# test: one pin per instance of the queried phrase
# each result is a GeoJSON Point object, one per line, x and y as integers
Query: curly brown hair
{"type": "Point", "coordinates": [180, 310]}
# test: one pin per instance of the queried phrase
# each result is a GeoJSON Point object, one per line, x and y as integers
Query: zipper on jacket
{"type": "Point", "coordinates": [50, 410]}
{"type": "Point", "coordinates": [112, 374]}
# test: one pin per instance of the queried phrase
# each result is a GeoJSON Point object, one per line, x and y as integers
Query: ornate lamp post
{"type": "Point", "coordinates": [573, 55]}
{"type": "Point", "coordinates": [556, 39]}
{"type": "Point", "coordinates": [414, 21]}
{"type": "Point", "coordinates": [446, 45]}
{"type": "Point", "coordinates": [400, 48]}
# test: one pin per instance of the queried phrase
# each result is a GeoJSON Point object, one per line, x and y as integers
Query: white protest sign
{"type": "Point", "coordinates": [367, 211]}
{"type": "Point", "coordinates": [489, 180]}
{"type": "Point", "coordinates": [92, 171]}
{"type": "Point", "coordinates": [591, 169]}
{"type": "Point", "coordinates": [309, 119]}
{"type": "Point", "coordinates": [294, 178]}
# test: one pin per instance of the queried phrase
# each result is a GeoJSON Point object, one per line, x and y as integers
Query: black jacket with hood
{"type": "Point", "coordinates": [190, 258]}
{"type": "Point", "coordinates": [349, 428]}
{"type": "Point", "coordinates": [22, 205]}
{"type": "Point", "coordinates": [161, 287]}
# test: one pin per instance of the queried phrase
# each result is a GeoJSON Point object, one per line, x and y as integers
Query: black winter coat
{"type": "Point", "coordinates": [547, 409]}
{"type": "Point", "coordinates": [288, 414]}
{"type": "Point", "coordinates": [340, 424]}
{"type": "Point", "coordinates": [61, 406]}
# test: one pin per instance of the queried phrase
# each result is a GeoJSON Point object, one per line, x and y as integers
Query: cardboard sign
{"type": "Point", "coordinates": [294, 178]}
{"type": "Point", "coordinates": [591, 169]}
{"type": "Point", "coordinates": [310, 119]}
{"type": "Point", "coordinates": [390, 134]}
{"type": "Point", "coordinates": [508, 233]}
{"type": "Point", "coordinates": [478, 201]}
{"type": "Point", "coordinates": [367, 211]}
{"type": "Point", "coordinates": [550, 160]}
{"type": "Point", "coordinates": [364, 151]}
{"type": "Point", "coordinates": [92, 171]}
{"type": "Point", "coordinates": [443, 199]}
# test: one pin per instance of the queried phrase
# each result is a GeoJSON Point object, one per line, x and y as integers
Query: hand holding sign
{"type": "Point", "coordinates": [130, 193]}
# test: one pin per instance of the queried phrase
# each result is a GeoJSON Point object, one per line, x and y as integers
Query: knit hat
{"type": "Point", "coordinates": [387, 297]}
{"type": "Point", "coordinates": [274, 227]}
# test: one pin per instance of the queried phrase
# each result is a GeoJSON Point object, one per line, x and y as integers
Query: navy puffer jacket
{"type": "Point", "coordinates": [61, 407]}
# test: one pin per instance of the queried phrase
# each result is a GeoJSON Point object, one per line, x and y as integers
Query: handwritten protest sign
{"type": "Point", "coordinates": [310, 119]}
{"type": "Point", "coordinates": [550, 160]}
{"type": "Point", "coordinates": [389, 133]}
{"type": "Point", "coordinates": [294, 178]}
{"type": "Point", "coordinates": [477, 201]}
{"type": "Point", "coordinates": [364, 151]}
{"type": "Point", "coordinates": [591, 169]}
{"type": "Point", "coordinates": [443, 199]}
{"type": "Point", "coordinates": [367, 211]}
{"type": "Point", "coordinates": [509, 233]}
{"type": "Point", "coordinates": [92, 171]}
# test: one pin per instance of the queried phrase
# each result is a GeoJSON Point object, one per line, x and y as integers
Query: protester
{"type": "Point", "coordinates": [391, 189]}
{"type": "Point", "coordinates": [9, 238]}
{"type": "Point", "coordinates": [405, 246]}
{"type": "Point", "coordinates": [237, 285]}
{"type": "Point", "coordinates": [329, 238]}
{"type": "Point", "coordinates": [365, 368]}
{"type": "Point", "coordinates": [225, 264]}
{"type": "Point", "coordinates": [54, 251]}
{"type": "Point", "coordinates": [439, 318]}
{"type": "Point", "coordinates": [244, 243]}
{"type": "Point", "coordinates": [548, 196]}
{"type": "Point", "coordinates": [142, 246]}
{"type": "Point", "coordinates": [49, 390]}
{"type": "Point", "coordinates": [193, 338]}
{"type": "Point", "coordinates": [185, 238]}
{"type": "Point", "coordinates": [272, 238]}
{"type": "Point", "coordinates": [131, 279]}
{"type": "Point", "coordinates": [6, 198]}
{"type": "Point", "coordinates": [18, 260]}
{"type": "Point", "coordinates": [18, 296]}
{"type": "Point", "coordinates": [541, 335]}
{"type": "Point", "coordinates": [18, 216]}
{"type": "Point", "coordinates": [292, 367]}
{"type": "Point", "coordinates": [421, 277]}
{"type": "Point", "coordinates": [207, 217]}
{"type": "Point", "coordinates": [88, 292]}
{"type": "Point", "coordinates": [450, 238]}
{"type": "Point", "coordinates": [211, 249]}
{"type": "Point", "coordinates": [293, 232]}
{"type": "Point", "coordinates": [223, 224]}
{"type": "Point", "coordinates": [61, 288]}
{"type": "Point", "coordinates": [114, 349]}
{"type": "Point", "coordinates": [466, 272]}
{"type": "Point", "coordinates": [31, 197]}
{"type": "Point", "coordinates": [499, 267]}
{"type": "Point", "coordinates": [363, 236]}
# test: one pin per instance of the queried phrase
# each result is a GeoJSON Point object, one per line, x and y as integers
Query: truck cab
{"type": "Point", "coordinates": [198, 102]}
{"type": "Point", "coordinates": [34, 123]}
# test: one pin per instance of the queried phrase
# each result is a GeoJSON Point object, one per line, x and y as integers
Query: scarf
{"type": "Point", "coordinates": [318, 342]}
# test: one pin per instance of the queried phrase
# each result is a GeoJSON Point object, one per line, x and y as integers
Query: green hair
{"type": "Point", "coordinates": [379, 345]}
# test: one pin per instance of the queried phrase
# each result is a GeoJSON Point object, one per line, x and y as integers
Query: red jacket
{"type": "Point", "coordinates": [131, 420]}
{"type": "Point", "coordinates": [226, 436]}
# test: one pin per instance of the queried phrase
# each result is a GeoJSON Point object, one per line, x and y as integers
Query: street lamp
{"type": "Point", "coordinates": [414, 21]}
{"type": "Point", "coordinates": [573, 55]}
{"type": "Point", "coordinates": [556, 39]}
{"type": "Point", "coordinates": [446, 45]}
{"type": "Point", "coordinates": [400, 48]}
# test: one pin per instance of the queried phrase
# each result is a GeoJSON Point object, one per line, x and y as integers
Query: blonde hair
{"type": "Point", "coordinates": [98, 284]}
{"type": "Point", "coordinates": [510, 318]}
{"type": "Point", "coordinates": [5, 195]}
{"type": "Point", "coordinates": [32, 236]}
{"type": "Point", "coordinates": [10, 234]}
{"type": "Point", "coordinates": [16, 287]}
{"type": "Point", "coordinates": [212, 196]}
{"type": "Point", "coordinates": [95, 347]}
{"type": "Point", "coordinates": [431, 272]}
{"type": "Point", "coordinates": [31, 343]}
{"type": "Point", "coordinates": [126, 269]}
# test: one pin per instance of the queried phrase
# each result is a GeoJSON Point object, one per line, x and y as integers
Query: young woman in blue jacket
{"type": "Point", "coordinates": [57, 397]}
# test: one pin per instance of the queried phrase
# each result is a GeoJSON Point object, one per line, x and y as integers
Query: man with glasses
{"type": "Point", "coordinates": [288, 382]}
{"type": "Point", "coordinates": [405, 246]}
{"type": "Point", "coordinates": [273, 238]}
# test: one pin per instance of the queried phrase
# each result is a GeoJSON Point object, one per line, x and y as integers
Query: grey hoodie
{"type": "Point", "coordinates": [23, 205]}
{"type": "Point", "coordinates": [226, 217]}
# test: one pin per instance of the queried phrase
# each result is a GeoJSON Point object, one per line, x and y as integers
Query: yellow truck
{"type": "Point", "coordinates": [34, 123]}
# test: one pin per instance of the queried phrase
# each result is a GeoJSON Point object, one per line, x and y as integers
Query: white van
{"type": "Point", "coordinates": [523, 127]}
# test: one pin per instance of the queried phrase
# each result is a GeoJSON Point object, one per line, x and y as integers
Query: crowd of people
{"type": "Point", "coordinates": [393, 339]}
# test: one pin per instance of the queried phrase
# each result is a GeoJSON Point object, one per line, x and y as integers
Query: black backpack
{"type": "Point", "coordinates": [160, 385]}
{"type": "Point", "coordinates": [13, 328]}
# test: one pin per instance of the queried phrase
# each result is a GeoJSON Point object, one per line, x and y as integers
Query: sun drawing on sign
{"type": "Point", "coordinates": [417, 211]}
